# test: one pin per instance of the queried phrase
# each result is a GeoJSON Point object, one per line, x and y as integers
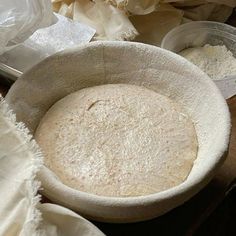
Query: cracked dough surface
{"type": "Point", "coordinates": [118, 140]}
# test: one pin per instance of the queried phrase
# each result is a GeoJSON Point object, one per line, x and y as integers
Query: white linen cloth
{"type": "Point", "coordinates": [21, 213]}
{"type": "Point", "coordinates": [150, 19]}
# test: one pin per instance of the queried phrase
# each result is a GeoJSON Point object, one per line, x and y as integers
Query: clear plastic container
{"type": "Point", "coordinates": [199, 33]}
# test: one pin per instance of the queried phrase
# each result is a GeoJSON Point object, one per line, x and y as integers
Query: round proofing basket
{"type": "Point", "coordinates": [130, 63]}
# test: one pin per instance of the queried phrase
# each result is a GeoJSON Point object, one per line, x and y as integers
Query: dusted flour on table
{"type": "Point", "coordinates": [216, 61]}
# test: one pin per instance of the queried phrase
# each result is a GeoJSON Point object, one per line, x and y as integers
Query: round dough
{"type": "Point", "coordinates": [118, 140]}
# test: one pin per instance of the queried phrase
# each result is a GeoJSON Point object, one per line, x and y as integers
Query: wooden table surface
{"type": "Point", "coordinates": [198, 216]}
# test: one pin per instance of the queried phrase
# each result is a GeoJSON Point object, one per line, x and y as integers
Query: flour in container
{"type": "Point", "coordinates": [118, 140]}
{"type": "Point", "coordinates": [216, 61]}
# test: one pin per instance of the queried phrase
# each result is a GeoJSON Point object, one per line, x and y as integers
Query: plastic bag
{"type": "Point", "coordinates": [47, 41]}
{"type": "Point", "coordinates": [20, 18]}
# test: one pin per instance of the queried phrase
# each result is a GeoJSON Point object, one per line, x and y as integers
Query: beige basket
{"type": "Point", "coordinates": [132, 63]}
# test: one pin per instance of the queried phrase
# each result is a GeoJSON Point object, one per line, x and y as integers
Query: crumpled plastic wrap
{"type": "Point", "coordinates": [47, 41]}
{"type": "Point", "coordinates": [20, 18]}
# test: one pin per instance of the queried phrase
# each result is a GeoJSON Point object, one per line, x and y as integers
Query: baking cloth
{"type": "Point", "coordinates": [21, 213]}
{"type": "Point", "coordinates": [141, 20]}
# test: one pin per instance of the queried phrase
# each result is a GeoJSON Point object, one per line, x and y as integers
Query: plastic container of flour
{"type": "Point", "coordinates": [199, 33]}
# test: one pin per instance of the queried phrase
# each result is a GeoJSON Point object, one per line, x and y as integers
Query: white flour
{"type": "Point", "coordinates": [216, 61]}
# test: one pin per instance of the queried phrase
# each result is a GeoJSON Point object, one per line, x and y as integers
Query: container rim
{"type": "Point", "coordinates": [221, 27]}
